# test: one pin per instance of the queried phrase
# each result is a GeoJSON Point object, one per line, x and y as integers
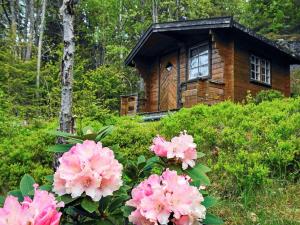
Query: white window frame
{"type": "Point", "coordinates": [260, 69]}
{"type": "Point", "coordinates": [203, 50]}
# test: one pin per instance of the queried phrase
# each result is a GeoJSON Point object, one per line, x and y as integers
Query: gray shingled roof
{"type": "Point", "coordinates": [210, 23]}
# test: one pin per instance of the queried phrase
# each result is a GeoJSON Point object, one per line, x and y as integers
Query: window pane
{"type": "Point", "coordinates": [203, 59]}
{"type": "Point", "coordinates": [194, 62]}
{"type": "Point", "coordinates": [204, 70]}
{"type": "Point", "coordinates": [194, 72]}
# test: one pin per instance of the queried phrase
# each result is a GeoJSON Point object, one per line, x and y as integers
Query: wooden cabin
{"type": "Point", "coordinates": [205, 61]}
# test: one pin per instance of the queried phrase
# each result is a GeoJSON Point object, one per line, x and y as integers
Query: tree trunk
{"type": "Point", "coordinates": [30, 32]}
{"type": "Point", "coordinates": [66, 120]}
{"type": "Point", "coordinates": [12, 5]}
{"type": "Point", "coordinates": [177, 9]}
{"type": "Point", "coordinates": [154, 11]}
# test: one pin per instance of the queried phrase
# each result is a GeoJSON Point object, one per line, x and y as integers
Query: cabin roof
{"type": "Point", "coordinates": [159, 29]}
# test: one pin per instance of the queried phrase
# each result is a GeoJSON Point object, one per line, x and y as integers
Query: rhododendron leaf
{"type": "Point", "coordinates": [104, 132]}
{"type": "Point", "coordinates": [60, 148]}
{"type": "Point", "coordinates": [117, 202]}
{"type": "Point", "coordinates": [26, 184]}
{"type": "Point", "coordinates": [16, 193]}
{"type": "Point", "coordinates": [141, 159]}
{"type": "Point", "coordinates": [212, 220]}
{"type": "Point", "coordinates": [49, 178]}
{"type": "Point", "coordinates": [68, 136]}
{"type": "Point", "coordinates": [198, 175]}
{"type": "Point", "coordinates": [46, 187]}
{"type": "Point", "coordinates": [127, 210]}
{"type": "Point", "coordinates": [2, 199]}
{"type": "Point", "coordinates": [199, 179]}
{"type": "Point", "coordinates": [89, 205]}
{"type": "Point", "coordinates": [200, 155]}
{"type": "Point", "coordinates": [104, 203]}
{"type": "Point", "coordinates": [67, 199]}
{"type": "Point", "coordinates": [209, 201]}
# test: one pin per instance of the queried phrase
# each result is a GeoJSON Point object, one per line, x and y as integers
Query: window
{"type": "Point", "coordinates": [199, 62]}
{"type": "Point", "coordinates": [260, 69]}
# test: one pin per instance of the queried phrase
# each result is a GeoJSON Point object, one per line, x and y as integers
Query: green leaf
{"type": "Point", "coordinates": [16, 193]}
{"type": "Point", "coordinates": [103, 132]}
{"type": "Point", "coordinates": [89, 205]}
{"type": "Point", "coordinates": [117, 202]}
{"type": "Point", "coordinates": [46, 187]}
{"type": "Point", "coordinates": [198, 175]}
{"type": "Point", "coordinates": [211, 219]}
{"type": "Point", "coordinates": [209, 201]}
{"type": "Point", "coordinates": [67, 199]}
{"type": "Point", "coordinates": [127, 210]}
{"type": "Point", "coordinates": [200, 179]}
{"type": "Point", "coordinates": [2, 199]}
{"type": "Point", "coordinates": [200, 155]}
{"type": "Point", "coordinates": [49, 178]}
{"type": "Point", "coordinates": [59, 148]}
{"type": "Point", "coordinates": [26, 184]}
{"type": "Point", "coordinates": [141, 159]}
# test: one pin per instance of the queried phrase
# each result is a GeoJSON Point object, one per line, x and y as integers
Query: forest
{"type": "Point", "coordinates": [252, 148]}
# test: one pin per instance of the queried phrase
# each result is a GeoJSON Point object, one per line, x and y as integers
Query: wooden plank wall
{"type": "Point", "coordinates": [280, 71]}
{"type": "Point", "coordinates": [220, 85]}
{"type": "Point", "coordinates": [229, 79]}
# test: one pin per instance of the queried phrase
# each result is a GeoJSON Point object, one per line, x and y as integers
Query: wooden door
{"type": "Point", "coordinates": [168, 82]}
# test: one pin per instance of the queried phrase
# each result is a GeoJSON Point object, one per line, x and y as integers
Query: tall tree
{"type": "Point", "coordinates": [13, 29]}
{"type": "Point", "coordinates": [30, 13]}
{"type": "Point", "coordinates": [67, 11]}
{"type": "Point", "coordinates": [155, 11]}
{"type": "Point", "coordinates": [40, 45]}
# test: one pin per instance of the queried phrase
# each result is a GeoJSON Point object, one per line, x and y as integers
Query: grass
{"type": "Point", "coordinates": [273, 205]}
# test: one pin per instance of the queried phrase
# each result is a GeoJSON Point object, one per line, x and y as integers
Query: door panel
{"type": "Point", "coordinates": [168, 83]}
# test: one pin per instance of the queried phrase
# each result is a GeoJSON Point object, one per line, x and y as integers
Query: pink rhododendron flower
{"type": "Point", "coordinates": [180, 148]}
{"type": "Point", "coordinates": [88, 168]}
{"type": "Point", "coordinates": [166, 198]}
{"type": "Point", "coordinates": [41, 210]}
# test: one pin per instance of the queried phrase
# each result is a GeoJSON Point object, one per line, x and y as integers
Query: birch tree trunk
{"type": "Point", "coordinates": [12, 5]}
{"type": "Point", "coordinates": [40, 45]}
{"type": "Point", "coordinates": [154, 11]}
{"type": "Point", "coordinates": [66, 120]}
{"type": "Point", "coordinates": [30, 32]}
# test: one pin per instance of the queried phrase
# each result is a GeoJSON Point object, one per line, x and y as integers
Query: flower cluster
{"type": "Point", "coordinates": [89, 168]}
{"type": "Point", "coordinates": [41, 210]}
{"type": "Point", "coordinates": [181, 148]}
{"type": "Point", "coordinates": [166, 198]}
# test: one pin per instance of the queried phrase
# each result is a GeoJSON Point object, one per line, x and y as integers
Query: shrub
{"type": "Point", "coordinates": [24, 152]}
{"type": "Point", "coordinates": [246, 145]}
{"type": "Point", "coordinates": [268, 95]}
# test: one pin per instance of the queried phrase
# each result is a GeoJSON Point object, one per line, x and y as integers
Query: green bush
{"type": "Point", "coordinates": [24, 151]}
{"type": "Point", "coordinates": [246, 145]}
{"type": "Point", "coordinates": [268, 95]}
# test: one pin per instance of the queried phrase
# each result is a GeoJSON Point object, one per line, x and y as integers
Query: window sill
{"type": "Point", "coordinates": [197, 79]}
{"type": "Point", "coordinates": [260, 83]}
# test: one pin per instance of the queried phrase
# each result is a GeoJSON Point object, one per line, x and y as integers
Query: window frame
{"type": "Point", "coordinates": [260, 74]}
{"type": "Point", "coordinates": [190, 49]}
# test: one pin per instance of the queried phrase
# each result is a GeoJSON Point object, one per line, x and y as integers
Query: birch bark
{"type": "Point", "coordinates": [65, 117]}
{"type": "Point", "coordinates": [30, 32]}
{"type": "Point", "coordinates": [40, 45]}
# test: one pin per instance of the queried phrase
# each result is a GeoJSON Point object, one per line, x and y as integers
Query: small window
{"type": "Point", "coordinates": [198, 62]}
{"type": "Point", "coordinates": [260, 69]}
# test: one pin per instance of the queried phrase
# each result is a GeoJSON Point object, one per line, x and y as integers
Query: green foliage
{"type": "Point", "coordinates": [23, 151]}
{"type": "Point", "coordinates": [268, 95]}
{"type": "Point", "coordinates": [295, 82]}
{"type": "Point", "coordinates": [246, 145]}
